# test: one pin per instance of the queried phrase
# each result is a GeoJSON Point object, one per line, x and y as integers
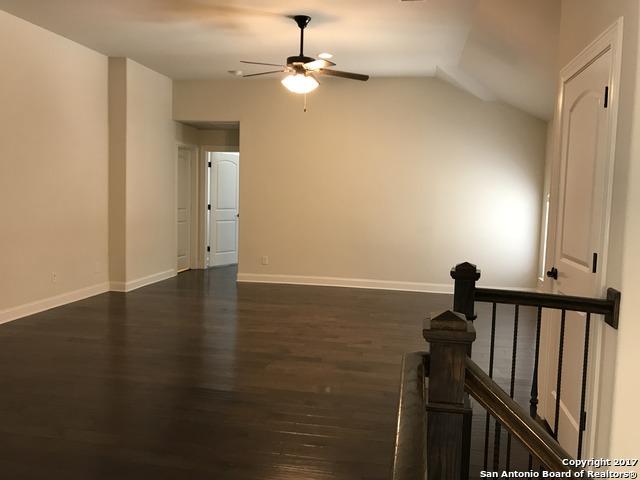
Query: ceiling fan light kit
{"type": "Point", "coordinates": [301, 70]}
{"type": "Point", "coordinates": [299, 83]}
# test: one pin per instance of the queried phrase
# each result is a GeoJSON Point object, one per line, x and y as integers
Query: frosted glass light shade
{"type": "Point", "coordinates": [299, 83]}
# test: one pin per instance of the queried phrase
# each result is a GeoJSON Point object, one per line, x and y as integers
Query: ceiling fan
{"type": "Point", "coordinates": [302, 70]}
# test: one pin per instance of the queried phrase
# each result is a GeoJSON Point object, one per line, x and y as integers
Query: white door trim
{"type": "Point", "coordinates": [203, 201]}
{"type": "Point", "coordinates": [609, 40]}
{"type": "Point", "coordinates": [196, 251]}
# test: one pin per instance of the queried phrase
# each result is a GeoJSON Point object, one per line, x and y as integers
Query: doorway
{"type": "Point", "coordinates": [223, 208]}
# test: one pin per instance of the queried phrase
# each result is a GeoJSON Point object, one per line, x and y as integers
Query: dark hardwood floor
{"type": "Point", "coordinates": [197, 377]}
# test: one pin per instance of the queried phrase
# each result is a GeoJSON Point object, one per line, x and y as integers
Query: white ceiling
{"type": "Point", "coordinates": [503, 47]}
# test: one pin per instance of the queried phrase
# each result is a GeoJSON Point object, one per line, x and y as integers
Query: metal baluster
{"type": "Point", "coordinates": [559, 379]}
{"type": "Point", "coordinates": [583, 398]}
{"type": "Point", "coordinates": [496, 446]}
{"type": "Point", "coordinates": [491, 355]}
{"type": "Point", "coordinates": [514, 352]}
{"type": "Point", "coordinates": [533, 403]}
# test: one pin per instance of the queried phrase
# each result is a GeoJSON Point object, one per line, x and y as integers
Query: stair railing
{"type": "Point", "coordinates": [466, 295]}
{"type": "Point", "coordinates": [434, 442]}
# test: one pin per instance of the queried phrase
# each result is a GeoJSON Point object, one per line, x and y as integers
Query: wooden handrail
{"type": "Point", "coordinates": [609, 307]}
{"type": "Point", "coordinates": [514, 418]}
{"type": "Point", "coordinates": [466, 293]}
{"type": "Point", "coordinates": [410, 453]}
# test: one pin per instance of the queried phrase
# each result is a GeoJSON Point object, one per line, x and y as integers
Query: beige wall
{"type": "Point", "coordinates": [393, 180]}
{"type": "Point", "coordinates": [151, 172]}
{"type": "Point", "coordinates": [219, 138]}
{"type": "Point", "coordinates": [53, 167]}
{"type": "Point", "coordinates": [87, 171]}
{"type": "Point", "coordinates": [186, 134]}
{"type": "Point", "coordinates": [143, 166]}
{"type": "Point", "coordinates": [581, 22]}
{"type": "Point", "coordinates": [117, 169]}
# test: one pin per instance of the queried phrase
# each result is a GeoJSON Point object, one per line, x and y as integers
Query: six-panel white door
{"type": "Point", "coordinates": [223, 216]}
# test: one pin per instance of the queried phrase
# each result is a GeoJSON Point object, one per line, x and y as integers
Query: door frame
{"type": "Point", "coordinates": [195, 250]}
{"type": "Point", "coordinates": [204, 199]}
{"type": "Point", "coordinates": [609, 40]}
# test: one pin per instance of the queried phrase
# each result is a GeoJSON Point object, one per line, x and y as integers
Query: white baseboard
{"type": "Point", "coordinates": [142, 282]}
{"type": "Point", "coordinates": [69, 297]}
{"type": "Point", "coordinates": [359, 283]}
{"type": "Point", "coordinates": [38, 306]}
{"type": "Point", "coordinates": [346, 282]}
{"type": "Point", "coordinates": [47, 303]}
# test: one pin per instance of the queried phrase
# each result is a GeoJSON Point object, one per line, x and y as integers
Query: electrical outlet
{"type": "Point", "coordinates": [265, 260]}
{"type": "Point", "coordinates": [54, 277]}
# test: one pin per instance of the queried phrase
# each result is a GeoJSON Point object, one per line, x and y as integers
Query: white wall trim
{"type": "Point", "coordinates": [31, 308]}
{"type": "Point", "coordinates": [355, 283]}
{"type": "Point", "coordinates": [345, 282]}
{"type": "Point", "coordinates": [196, 250]}
{"type": "Point", "coordinates": [38, 306]}
{"type": "Point", "coordinates": [143, 281]}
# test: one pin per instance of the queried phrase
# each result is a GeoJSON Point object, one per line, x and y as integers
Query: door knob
{"type": "Point", "coordinates": [553, 273]}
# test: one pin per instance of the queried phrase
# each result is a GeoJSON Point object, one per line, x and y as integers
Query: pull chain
{"type": "Point", "coordinates": [305, 103]}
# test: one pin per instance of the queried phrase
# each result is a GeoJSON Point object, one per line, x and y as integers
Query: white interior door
{"type": "Point", "coordinates": [223, 200]}
{"type": "Point", "coordinates": [580, 232]}
{"type": "Point", "coordinates": [184, 209]}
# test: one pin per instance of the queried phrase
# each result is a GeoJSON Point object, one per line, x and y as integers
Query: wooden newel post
{"type": "Point", "coordinates": [448, 412]}
{"type": "Point", "coordinates": [465, 276]}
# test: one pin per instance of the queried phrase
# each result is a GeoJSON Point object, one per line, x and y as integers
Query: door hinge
{"type": "Point", "coordinates": [594, 267]}
{"type": "Point", "coordinates": [208, 249]}
{"type": "Point", "coordinates": [209, 165]}
{"type": "Point", "coordinates": [209, 207]}
{"type": "Point", "coordinates": [606, 97]}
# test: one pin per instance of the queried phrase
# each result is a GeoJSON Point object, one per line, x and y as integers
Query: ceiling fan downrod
{"type": "Point", "coordinates": [302, 21]}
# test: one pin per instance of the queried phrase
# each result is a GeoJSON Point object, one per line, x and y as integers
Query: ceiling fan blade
{"type": "Point", "coordinates": [318, 64]}
{"type": "Point", "coordinates": [264, 73]}
{"type": "Point", "coordinates": [338, 73]}
{"type": "Point", "coordinates": [261, 63]}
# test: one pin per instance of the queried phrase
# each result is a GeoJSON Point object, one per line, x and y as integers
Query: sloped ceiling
{"type": "Point", "coordinates": [512, 49]}
{"type": "Point", "coordinates": [504, 49]}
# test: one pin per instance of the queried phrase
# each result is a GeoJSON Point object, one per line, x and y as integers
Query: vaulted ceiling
{"type": "Point", "coordinates": [496, 49]}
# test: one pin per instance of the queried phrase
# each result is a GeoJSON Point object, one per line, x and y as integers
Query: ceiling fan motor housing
{"type": "Point", "coordinates": [299, 59]}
